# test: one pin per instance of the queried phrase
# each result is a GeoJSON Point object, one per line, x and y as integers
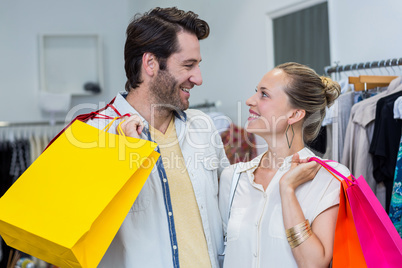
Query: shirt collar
{"type": "Point", "coordinates": [253, 164]}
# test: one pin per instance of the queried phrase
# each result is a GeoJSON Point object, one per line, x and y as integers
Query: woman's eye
{"type": "Point", "coordinates": [264, 94]}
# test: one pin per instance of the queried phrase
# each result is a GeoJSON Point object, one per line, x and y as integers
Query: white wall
{"type": "Point", "coordinates": [235, 56]}
{"type": "Point", "coordinates": [365, 30]}
{"type": "Point", "coordinates": [239, 49]}
{"type": "Point", "coordinates": [21, 21]}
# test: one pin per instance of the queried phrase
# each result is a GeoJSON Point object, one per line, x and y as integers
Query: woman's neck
{"type": "Point", "coordinates": [277, 152]}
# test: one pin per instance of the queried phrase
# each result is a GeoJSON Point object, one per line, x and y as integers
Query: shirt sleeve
{"type": "Point", "coordinates": [225, 183]}
{"type": "Point", "coordinates": [330, 194]}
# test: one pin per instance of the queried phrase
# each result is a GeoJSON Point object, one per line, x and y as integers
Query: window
{"type": "Point", "coordinates": [303, 37]}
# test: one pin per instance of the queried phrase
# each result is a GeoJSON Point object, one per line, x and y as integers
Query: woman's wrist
{"type": "Point", "coordinates": [286, 189]}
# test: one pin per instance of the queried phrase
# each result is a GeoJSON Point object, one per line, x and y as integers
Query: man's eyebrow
{"type": "Point", "coordinates": [191, 61]}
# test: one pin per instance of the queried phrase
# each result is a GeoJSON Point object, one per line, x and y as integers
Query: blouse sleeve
{"type": "Point", "coordinates": [331, 188]}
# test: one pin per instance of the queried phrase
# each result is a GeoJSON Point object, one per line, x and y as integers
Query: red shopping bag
{"type": "Point", "coordinates": [379, 241]}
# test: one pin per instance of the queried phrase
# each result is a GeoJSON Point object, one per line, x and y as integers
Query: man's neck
{"type": "Point", "coordinates": [141, 102]}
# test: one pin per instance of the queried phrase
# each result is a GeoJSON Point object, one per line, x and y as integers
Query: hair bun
{"type": "Point", "coordinates": [332, 89]}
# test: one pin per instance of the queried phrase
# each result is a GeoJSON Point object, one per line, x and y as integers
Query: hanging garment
{"type": "Point", "coordinates": [319, 144]}
{"type": "Point", "coordinates": [385, 142]}
{"type": "Point", "coordinates": [330, 113]}
{"type": "Point", "coordinates": [398, 108]}
{"type": "Point", "coordinates": [5, 161]}
{"type": "Point", "coordinates": [395, 209]}
{"type": "Point", "coordinates": [342, 107]}
{"type": "Point", "coordinates": [20, 158]}
{"type": "Point", "coordinates": [239, 144]}
{"type": "Point", "coordinates": [358, 136]}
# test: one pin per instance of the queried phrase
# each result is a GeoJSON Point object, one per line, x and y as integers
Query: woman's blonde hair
{"type": "Point", "coordinates": [310, 92]}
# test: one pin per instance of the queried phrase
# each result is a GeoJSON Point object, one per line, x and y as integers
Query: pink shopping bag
{"type": "Point", "coordinates": [379, 240]}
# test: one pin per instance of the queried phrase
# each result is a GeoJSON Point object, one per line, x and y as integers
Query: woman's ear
{"type": "Point", "coordinates": [149, 63]}
{"type": "Point", "coordinates": [297, 116]}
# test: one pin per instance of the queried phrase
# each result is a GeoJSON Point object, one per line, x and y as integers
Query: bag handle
{"type": "Point", "coordinates": [120, 130]}
{"type": "Point", "coordinates": [108, 126]}
{"type": "Point", "coordinates": [85, 117]}
{"type": "Point", "coordinates": [331, 170]}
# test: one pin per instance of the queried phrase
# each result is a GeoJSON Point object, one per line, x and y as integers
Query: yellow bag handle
{"type": "Point", "coordinates": [107, 127]}
{"type": "Point", "coordinates": [119, 129]}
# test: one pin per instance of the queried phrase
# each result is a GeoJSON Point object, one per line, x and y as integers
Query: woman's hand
{"type": "Point", "coordinates": [132, 126]}
{"type": "Point", "coordinates": [300, 172]}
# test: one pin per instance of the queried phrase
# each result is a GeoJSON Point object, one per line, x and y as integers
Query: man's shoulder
{"type": "Point", "coordinates": [198, 118]}
{"type": "Point", "coordinates": [195, 112]}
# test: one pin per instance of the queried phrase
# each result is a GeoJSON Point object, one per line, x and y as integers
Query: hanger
{"type": "Point", "coordinates": [366, 82]}
{"type": "Point", "coordinates": [355, 80]}
{"type": "Point", "coordinates": [373, 81]}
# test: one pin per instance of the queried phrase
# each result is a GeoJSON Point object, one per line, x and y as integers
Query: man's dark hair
{"type": "Point", "coordinates": [156, 32]}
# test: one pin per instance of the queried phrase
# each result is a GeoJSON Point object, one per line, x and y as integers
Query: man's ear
{"type": "Point", "coordinates": [149, 63]}
{"type": "Point", "coordinates": [297, 116]}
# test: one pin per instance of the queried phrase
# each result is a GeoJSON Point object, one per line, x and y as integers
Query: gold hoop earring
{"type": "Point", "coordinates": [286, 134]}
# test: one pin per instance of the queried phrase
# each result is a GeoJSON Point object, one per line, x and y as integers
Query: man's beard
{"type": "Point", "coordinates": [165, 93]}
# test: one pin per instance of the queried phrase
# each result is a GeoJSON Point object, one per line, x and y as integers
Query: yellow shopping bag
{"type": "Point", "coordinates": [69, 204]}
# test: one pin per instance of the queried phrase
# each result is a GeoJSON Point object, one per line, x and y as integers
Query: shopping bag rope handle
{"type": "Point", "coordinates": [331, 170]}
{"type": "Point", "coordinates": [92, 115]}
{"type": "Point", "coordinates": [119, 129]}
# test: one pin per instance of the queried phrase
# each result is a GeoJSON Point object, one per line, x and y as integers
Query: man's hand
{"type": "Point", "coordinates": [132, 126]}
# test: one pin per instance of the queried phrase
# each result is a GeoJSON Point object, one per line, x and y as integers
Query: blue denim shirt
{"type": "Point", "coordinates": [147, 237]}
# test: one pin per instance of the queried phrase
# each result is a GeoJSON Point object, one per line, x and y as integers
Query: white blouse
{"type": "Point", "coordinates": [255, 233]}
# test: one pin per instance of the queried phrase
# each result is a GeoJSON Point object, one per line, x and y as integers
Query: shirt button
{"type": "Point", "coordinates": [174, 247]}
{"type": "Point", "coordinates": [164, 180]}
{"type": "Point", "coordinates": [255, 255]}
{"type": "Point", "coordinates": [202, 207]}
{"type": "Point", "coordinates": [265, 195]}
{"type": "Point", "coordinates": [170, 213]}
{"type": "Point", "coordinates": [256, 223]}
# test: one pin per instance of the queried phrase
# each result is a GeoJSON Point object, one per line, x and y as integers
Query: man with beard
{"type": "Point", "coordinates": [175, 219]}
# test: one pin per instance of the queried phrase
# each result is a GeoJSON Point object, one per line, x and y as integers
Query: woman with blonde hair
{"type": "Point", "coordinates": [282, 213]}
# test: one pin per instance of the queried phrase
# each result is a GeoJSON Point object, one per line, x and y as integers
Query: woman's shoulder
{"type": "Point", "coordinates": [335, 168]}
{"type": "Point", "coordinates": [241, 166]}
{"type": "Point", "coordinates": [338, 167]}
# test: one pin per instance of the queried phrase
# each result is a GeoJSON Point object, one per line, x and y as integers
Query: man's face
{"type": "Point", "coordinates": [170, 88]}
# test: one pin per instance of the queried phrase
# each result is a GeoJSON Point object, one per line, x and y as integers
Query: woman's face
{"type": "Point", "coordinates": [269, 106]}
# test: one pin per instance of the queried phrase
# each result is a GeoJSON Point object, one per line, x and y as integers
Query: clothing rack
{"type": "Point", "coordinates": [23, 124]}
{"type": "Point", "coordinates": [206, 104]}
{"type": "Point", "coordinates": [360, 66]}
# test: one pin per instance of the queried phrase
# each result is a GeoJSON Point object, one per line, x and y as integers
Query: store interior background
{"type": "Point", "coordinates": [237, 53]}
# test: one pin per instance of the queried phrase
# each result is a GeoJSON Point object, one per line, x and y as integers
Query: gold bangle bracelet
{"type": "Point", "coordinates": [299, 241]}
{"type": "Point", "coordinates": [298, 228]}
{"type": "Point", "coordinates": [297, 236]}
